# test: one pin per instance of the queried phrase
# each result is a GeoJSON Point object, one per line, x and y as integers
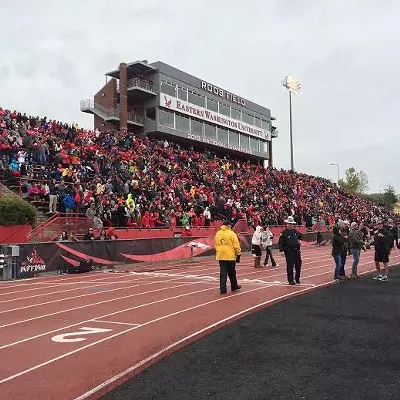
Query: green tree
{"type": "Point", "coordinates": [355, 182]}
{"type": "Point", "coordinates": [389, 196]}
{"type": "Point", "coordinates": [363, 186]}
{"type": "Point", "coordinates": [14, 211]}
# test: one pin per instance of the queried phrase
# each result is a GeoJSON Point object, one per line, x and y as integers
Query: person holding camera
{"type": "Point", "coordinates": [228, 252]}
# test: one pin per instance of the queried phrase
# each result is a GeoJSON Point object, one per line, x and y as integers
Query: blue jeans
{"type": "Point", "coordinates": [344, 257]}
{"type": "Point", "coordinates": [338, 265]}
{"type": "Point", "coordinates": [356, 259]}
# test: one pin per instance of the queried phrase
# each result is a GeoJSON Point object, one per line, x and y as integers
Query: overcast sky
{"type": "Point", "coordinates": [345, 52]}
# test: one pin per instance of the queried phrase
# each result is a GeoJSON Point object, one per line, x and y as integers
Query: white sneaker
{"type": "Point", "coordinates": [378, 277]}
{"type": "Point", "coordinates": [383, 278]}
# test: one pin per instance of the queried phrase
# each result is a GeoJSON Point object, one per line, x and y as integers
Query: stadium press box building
{"type": "Point", "coordinates": [161, 101]}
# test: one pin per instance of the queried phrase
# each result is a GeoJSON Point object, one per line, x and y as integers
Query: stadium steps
{"type": "Point", "coordinates": [109, 114]}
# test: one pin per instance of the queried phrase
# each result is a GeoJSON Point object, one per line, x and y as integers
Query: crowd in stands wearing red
{"type": "Point", "coordinates": [127, 180]}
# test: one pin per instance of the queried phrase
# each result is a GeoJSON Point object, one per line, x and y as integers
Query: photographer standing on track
{"type": "Point", "coordinates": [228, 254]}
{"type": "Point", "coordinates": [289, 243]}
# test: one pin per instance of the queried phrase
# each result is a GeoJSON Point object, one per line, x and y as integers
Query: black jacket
{"type": "Point", "coordinates": [338, 245]}
{"type": "Point", "coordinates": [289, 240]}
{"type": "Point", "coordinates": [383, 244]}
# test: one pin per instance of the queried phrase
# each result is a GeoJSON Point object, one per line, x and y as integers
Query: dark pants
{"type": "Point", "coordinates": [227, 268]}
{"type": "Point", "coordinates": [268, 253]}
{"type": "Point", "coordinates": [293, 260]}
{"type": "Point", "coordinates": [344, 256]}
{"type": "Point", "coordinates": [338, 265]}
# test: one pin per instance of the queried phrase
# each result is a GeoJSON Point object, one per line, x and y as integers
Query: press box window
{"type": "Point", "coordinates": [248, 118]}
{"type": "Point", "coordinates": [233, 138]}
{"type": "Point", "coordinates": [182, 94]}
{"type": "Point", "coordinates": [265, 148]}
{"type": "Point", "coordinates": [244, 141]}
{"type": "Point", "coordinates": [224, 110]}
{"type": "Point", "coordinates": [196, 99]}
{"type": "Point", "coordinates": [254, 144]}
{"type": "Point", "coordinates": [265, 125]}
{"type": "Point", "coordinates": [197, 127]}
{"type": "Point", "coordinates": [182, 123]}
{"type": "Point", "coordinates": [166, 119]}
{"type": "Point", "coordinates": [222, 135]}
{"type": "Point", "coordinates": [236, 114]}
{"type": "Point", "coordinates": [212, 105]}
{"type": "Point", "coordinates": [168, 88]}
{"type": "Point", "coordinates": [210, 131]}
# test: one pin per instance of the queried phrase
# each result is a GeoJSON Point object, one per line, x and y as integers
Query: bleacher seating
{"type": "Point", "coordinates": [129, 181]}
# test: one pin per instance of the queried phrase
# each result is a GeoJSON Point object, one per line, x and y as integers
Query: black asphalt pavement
{"type": "Point", "coordinates": [341, 342]}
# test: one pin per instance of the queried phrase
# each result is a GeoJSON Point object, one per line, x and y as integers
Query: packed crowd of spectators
{"type": "Point", "coordinates": [127, 180]}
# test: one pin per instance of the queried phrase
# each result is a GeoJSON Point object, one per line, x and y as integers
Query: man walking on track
{"type": "Point", "coordinates": [289, 243]}
{"type": "Point", "coordinates": [228, 251]}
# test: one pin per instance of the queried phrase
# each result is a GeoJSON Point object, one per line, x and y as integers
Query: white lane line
{"type": "Point", "coordinates": [139, 275]}
{"type": "Point", "coordinates": [57, 285]}
{"type": "Point", "coordinates": [50, 280]}
{"type": "Point", "coordinates": [9, 378]}
{"type": "Point", "coordinates": [166, 349]}
{"type": "Point", "coordinates": [142, 280]}
{"type": "Point", "coordinates": [96, 293]}
{"type": "Point", "coordinates": [110, 314]}
{"type": "Point", "coordinates": [117, 312]}
{"type": "Point", "coordinates": [114, 322]}
{"type": "Point", "coordinates": [93, 304]}
{"type": "Point", "coordinates": [170, 346]}
{"type": "Point", "coordinates": [188, 275]}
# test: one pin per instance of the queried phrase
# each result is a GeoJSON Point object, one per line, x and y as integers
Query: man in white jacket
{"type": "Point", "coordinates": [266, 244]}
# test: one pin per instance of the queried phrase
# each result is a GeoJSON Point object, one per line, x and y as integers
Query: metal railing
{"type": "Point", "coordinates": [39, 230]}
{"type": "Point", "coordinates": [108, 113]}
{"type": "Point", "coordinates": [135, 118]}
{"type": "Point", "coordinates": [141, 83]}
{"type": "Point", "coordinates": [52, 228]}
{"type": "Point", "coordinates": [87, 105]}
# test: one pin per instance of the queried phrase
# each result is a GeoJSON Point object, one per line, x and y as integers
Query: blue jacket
{"type": "Point", "coordinates": [69, 202]}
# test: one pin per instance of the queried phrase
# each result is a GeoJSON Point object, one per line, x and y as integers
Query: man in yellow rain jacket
{"type": "Point", "coordinates": [228, 251]}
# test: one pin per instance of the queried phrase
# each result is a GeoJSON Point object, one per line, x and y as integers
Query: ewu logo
{"type": "Point", "coordinates": [167, 102]}
{"type": "Point", "coordinates": [33, 263]}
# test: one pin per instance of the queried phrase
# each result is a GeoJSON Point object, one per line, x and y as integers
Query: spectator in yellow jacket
{"type": "Point", "coordinates": [228, 251]}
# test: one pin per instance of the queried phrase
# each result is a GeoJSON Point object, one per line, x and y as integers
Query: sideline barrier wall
{"type": "Point", "coordinates": [14, 234]}
{"type": "Point", "coordinates": [51, 256]}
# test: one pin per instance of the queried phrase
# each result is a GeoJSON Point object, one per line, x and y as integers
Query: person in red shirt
{"type": "Point", "coordinates": [187, 232]}
{"type": "Point", "coordinates": [146, 220]}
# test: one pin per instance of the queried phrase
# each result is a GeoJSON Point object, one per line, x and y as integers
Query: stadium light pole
{"type": "Point", "coordinates": [338, 175]}
{"type": "Point", "coordinates": [293, 86]}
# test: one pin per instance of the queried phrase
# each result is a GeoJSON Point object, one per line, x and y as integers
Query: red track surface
{"type": "Point", "coordinates": [140, 317]}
